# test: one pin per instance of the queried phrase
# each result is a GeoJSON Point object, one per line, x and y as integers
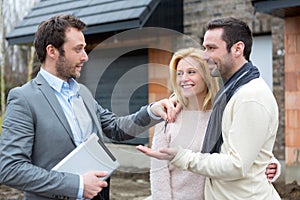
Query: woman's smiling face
{"type": "Point", "coordinates": [189, 79]}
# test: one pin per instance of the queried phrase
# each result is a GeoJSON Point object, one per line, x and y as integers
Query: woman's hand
{"type": "Point", "coordinates": [162, 154]}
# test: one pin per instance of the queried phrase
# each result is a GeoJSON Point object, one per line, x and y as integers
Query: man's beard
{"type": "Point", "coordinates": [214, 71]}
{"type": "Point", "coordinates": [64, 70]}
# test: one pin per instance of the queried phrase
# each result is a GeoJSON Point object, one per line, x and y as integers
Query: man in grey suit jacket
{"type": "Point", "coordinates": [49, 116]}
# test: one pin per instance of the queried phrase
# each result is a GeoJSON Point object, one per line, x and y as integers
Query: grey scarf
{"type": "Point", "coordinates": [213, 137]}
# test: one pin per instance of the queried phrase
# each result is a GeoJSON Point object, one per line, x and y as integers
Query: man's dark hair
{"type": "Point", "coordinates": [234, 30]}
{"type": "Point", "coordinates": [53, 31]}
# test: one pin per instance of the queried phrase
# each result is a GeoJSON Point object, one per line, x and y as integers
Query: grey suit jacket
{"type": "Point", "coordinates": [36, 136]}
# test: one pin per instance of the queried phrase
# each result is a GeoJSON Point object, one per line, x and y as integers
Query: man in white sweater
{"type": "Point", "coordinates": [243, 125]}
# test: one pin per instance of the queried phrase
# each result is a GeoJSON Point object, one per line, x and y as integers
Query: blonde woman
{"type": "Point", "coordinates": [195, 89]}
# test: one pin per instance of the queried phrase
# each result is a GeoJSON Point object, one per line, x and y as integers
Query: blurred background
{"type": "Point", "coordinates": [130, 44]}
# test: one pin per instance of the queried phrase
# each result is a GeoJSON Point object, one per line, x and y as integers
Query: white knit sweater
{"type": "Point", "coordinates": [167, 181]}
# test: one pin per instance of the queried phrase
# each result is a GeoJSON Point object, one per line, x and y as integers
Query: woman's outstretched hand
{"type": "Point", "coordinates": [162, 154]}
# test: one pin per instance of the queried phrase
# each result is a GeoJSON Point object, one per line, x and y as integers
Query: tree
{"type": "Point", "coordinates": [2, 63]}
{"type": "Point", "coordinates": [16, 61]}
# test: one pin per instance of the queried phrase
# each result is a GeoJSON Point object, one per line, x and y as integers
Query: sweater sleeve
{"type": "Point", "coordinates": [247, 133]}
{"type": "Point", "coordinates": [159, 169]}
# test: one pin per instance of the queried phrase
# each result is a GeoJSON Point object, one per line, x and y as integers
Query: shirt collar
{"type": "Point", "coordinates": [57, 83]}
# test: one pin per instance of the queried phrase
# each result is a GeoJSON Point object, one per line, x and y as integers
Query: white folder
{"type": "Point", "coordinates": [91, 155]}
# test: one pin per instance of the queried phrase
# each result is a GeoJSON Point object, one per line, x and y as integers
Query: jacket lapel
{"type": "Point", "coordinates": [49, 95]}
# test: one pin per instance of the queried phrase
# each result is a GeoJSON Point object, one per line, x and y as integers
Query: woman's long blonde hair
{"type": "Point", "coordinates": [211, 82]}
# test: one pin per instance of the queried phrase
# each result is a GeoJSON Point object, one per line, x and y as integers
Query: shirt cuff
{"type": "Point", "coordinates": [80, 191]}
{"type": "Point", "coordinates": [151, 114]}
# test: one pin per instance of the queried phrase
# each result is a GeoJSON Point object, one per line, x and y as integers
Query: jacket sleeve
{"type": "Point", "coordinates": [119, 128]}
{"type": "Point", "coordinates": [124, 127]}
